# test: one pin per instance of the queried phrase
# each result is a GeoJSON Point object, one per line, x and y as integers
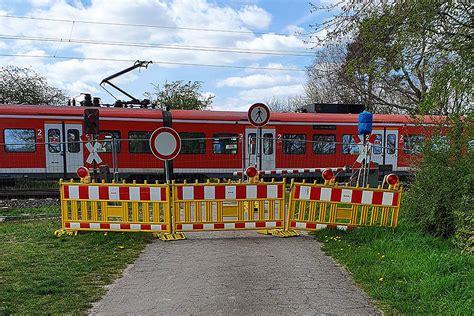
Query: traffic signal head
{"type": "Point", "coordinates": [91, 121]}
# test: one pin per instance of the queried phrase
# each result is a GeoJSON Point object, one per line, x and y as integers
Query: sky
{"type": "Point", "coordinates": [266, 37]}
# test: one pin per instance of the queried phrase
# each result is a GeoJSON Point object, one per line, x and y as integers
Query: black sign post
{"type": "Point", "coordinates": [259, 115]}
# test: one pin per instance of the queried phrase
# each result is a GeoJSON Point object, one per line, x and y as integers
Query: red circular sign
{"type": "Point", "coordinates": [259, 114]}
{"type": "Point", "coordinates": [392, 179]}
{"type": "Point", "coordinates": [328, 174]}
{"type": "Point", "coordinates": [82, 172]}
{"type": "Point", "coordinates": [251, 172]}
{"type": "Point", "coordinates": [165, 143]}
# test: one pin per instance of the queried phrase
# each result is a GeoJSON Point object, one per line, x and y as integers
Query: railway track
{"type": "Point", "coordinates": [22, 194]}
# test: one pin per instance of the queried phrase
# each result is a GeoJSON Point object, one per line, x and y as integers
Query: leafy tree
{"type": "Point", "coordinates": [327, 80]}
{"type": "Point", "coordinates": [180, 95]}
{"type": "Point", "coordinates": [415, 56]}
{"type": "Point", "coordinates": [290, 104]}
{"type": "Point", "coordinates": [25, 86]}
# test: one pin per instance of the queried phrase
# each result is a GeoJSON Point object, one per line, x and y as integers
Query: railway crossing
{"type": "Point", "coordinates": [170, 209]}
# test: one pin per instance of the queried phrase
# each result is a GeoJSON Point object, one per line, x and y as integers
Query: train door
{"type": "Point", "coordinates": [54, 149]}
{"type": "Point", "coordinates": [391, 148]}
{"type": "Point", "coordinates": [268, 148]}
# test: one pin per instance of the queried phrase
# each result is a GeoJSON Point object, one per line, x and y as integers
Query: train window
{"type": "Point", "coordinates": [439, 143]}
{"type": "Point", "coordinates": [377, 147]}
{"type": "Point", "coordinates": [268, 144]}
{"type": "Point", "coordinates": [54, 140]}
{"type": "Point", "coordinates": [294, 144]}
{"type": "Point", "coordinates": [324, 144]}
{"type": "Point", "coordinates": [224, 143]}
{"type": "Point", "coordinates": [193, 143]}
{"type": "Point", "coordinates": [412, 144]}
{"type": "Point", "coordinates": [73, 144]}
{"type": "Point", "coordinates": [391, 143]}
{"type": "Point", "coordinates": [111, 136]}
{"type": "Point", "coordinates": [138, 142]}
{"type": "Point", "coordinates": [19, 140]}
{"type": "Point", "coordinates": [349, 146]}
{"type": "Point", "coordinates": [252, 143]}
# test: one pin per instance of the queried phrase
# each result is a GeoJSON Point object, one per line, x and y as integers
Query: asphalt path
{"type": "Point", "coordinates": [237, 273]}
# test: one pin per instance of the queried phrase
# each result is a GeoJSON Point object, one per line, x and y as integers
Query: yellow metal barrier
{"type": "Point", "coordinates": [316, 206]}
{"type": "Point", "coordinates": [115, 207]}
{"type": "Point", "coordinates": [228, 206]}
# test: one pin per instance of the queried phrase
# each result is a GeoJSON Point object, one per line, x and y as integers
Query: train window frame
{"type": "Point", "coordinates": [333, 143]}
{"type": "Point", "coordinates": [415, 145]}
{"type": "Point", "coordinates": [75, 143]}
{"type": "Point", "coordinates": [5, 144]}
{"type": "Point", "coordinates": [268, 144]}
{"type": "Point", "coordinates": [391, 150]}
{"type": "Point", "coordinates": [377, 146]}
{"type": "Point", "coordinates": [439, 143]}
{"type": "Point", "coordinates": [231, 137]}
{"type": "Point", "coordinates": [252, 144]}
{"type": "Point", "coordinates": [185, 139]}
{"type": "Point", "coordinates": [130, 140]}
{"type": "Point", "coordinates": [351, 147]}
{"type": "Point", "coordinates": [119, 134]}
{"type": "Point", "coordinates": [286, 142]}
{"type": "Point", "coordinates": [52, 146]}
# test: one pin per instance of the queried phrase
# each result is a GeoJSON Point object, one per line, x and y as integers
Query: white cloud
{"type": "Point", "coordinates": [41, 3]}
{"type": "Point", "coordinates": [295, 30]}
{"type": "Point", "coordinates": [273, 42]}
{"type": "Point", "coordinates": [259, 81]}
{"type": "Point", "coordinates": [84, 75]}
{"type": "Point", "coordinates": [259, 95]}
{"type": "Point", "coordinates": [256, 17]}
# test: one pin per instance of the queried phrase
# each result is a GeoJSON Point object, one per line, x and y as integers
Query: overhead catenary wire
{"type": "Point", "coordinates": [146, 25]}
{"type": "Point", "coordinates": [163, 46]}
{"type": "Point", "coordinates": [154, 61]}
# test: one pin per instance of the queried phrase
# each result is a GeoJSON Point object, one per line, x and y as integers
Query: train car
{"type": "Point", "coordinates": [45, 141]}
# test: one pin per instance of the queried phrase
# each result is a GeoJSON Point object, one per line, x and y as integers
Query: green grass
{"type": "Point", "coordinates": [26, 212]}
{"type": "Point", "coordinates": [40, 273]}
{"type": "Point", "coordinates": [405, 271]}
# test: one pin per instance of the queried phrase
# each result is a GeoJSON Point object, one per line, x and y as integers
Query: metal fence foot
{"type": "Point", "coordinates": [280, 233]}
{"type": "Point", "coordinates": [62, 232]}
{"type": "Point", "coordinates": [174, 236]}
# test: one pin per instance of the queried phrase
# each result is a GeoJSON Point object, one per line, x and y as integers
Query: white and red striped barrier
{"type": "Point", "coordinates": [229, 192]}
{"type": "Point", "coordinates": [292, 171]}
{"type": "Point", "coordinates": [345, 195]}
{"type": "Point", "coordinates": [316, 206]}
{"type": "Point", "coordinates": [315, 226]}
{"type": "Point", "coordinates": [228, 206]}
{"type": "Point", "coordinates": [230, 226]}
{"type": "Point", "coordinates": [115, 226]}
{"type": "Point", "coordinates": [134, 207]}
{"type": "Point", "coordinates": [96, 192]}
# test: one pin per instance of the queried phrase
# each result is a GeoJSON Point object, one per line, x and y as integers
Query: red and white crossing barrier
{"type": "Point", "coordinates": [115, 226]}
{"type": "Point", "coordinates": [346, 195]}
{"type": "Point", "coordinates": [316, 226]}
{"type": "Point", "coordinates": [229, 192]}
{"type": "Point", "coordinates": [114, 193]}
{"type": "Point", "coordinates": [292, 171]}
{"type": "Point", "coordinates": [234, 225]}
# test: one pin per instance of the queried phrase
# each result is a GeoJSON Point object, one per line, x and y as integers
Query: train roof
{"type": "Point", "coordinates": [193, 115]}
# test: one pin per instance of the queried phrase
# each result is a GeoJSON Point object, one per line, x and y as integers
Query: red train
{"type": "Point", "coordinates": [213, 143]}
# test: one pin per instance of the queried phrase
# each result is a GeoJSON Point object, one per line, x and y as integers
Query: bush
{"type": "Point", "coordinates": [440, 199]}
